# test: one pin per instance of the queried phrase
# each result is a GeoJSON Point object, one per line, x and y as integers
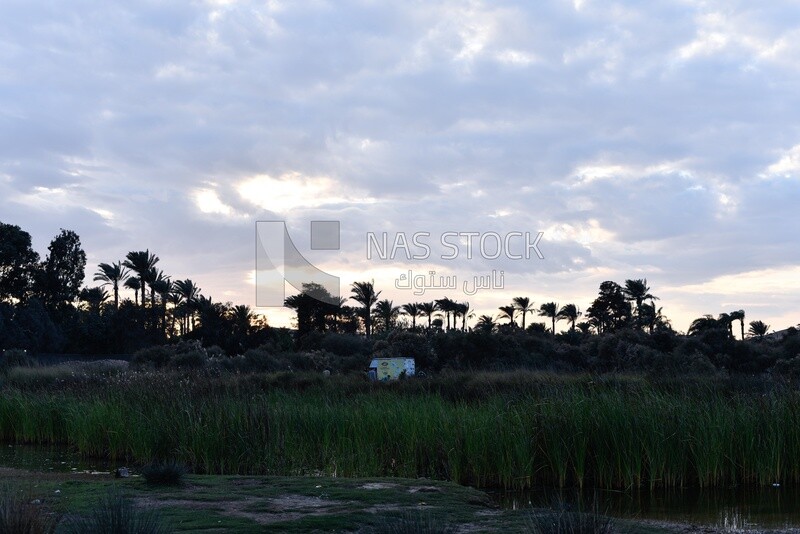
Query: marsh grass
{"type": "Point", "coordinates": [418, 522]}
{"type": "Point", "coordinates": [489, 430]}
{"type": "Point", "coordinates": [115, 513]}
{"type": "Point", "coordinates": [19, 515]}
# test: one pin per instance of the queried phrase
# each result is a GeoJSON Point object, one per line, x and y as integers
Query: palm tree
{"type": "Point", "coordinates": [726, 320]}
{"type": "Point", "coordinates": [446, 306]}
{"type": "Point", "coordinates": [427, 309]}
{"type": "Point", "coordinates": [703, 324]}
{"type": "Point", "coordinates": [585, 327]}
{"type": "Point", "coordinates": [550, 309]}
{"type": "Point", "coordinates": [524, 305]}
{"type": "Point", "coordinates": [508, 312]}
{"type": "Point", "coordinates": [161, 286]}
{"type": "Point", "coordinates": [637, 291]}
{"type": "Point", "coordinates": [112, 275]}
{"type": "Point", "coordinates": [738, 315]}
{"type": "Point", "coordinates": [758, 329]}
{"type": "Point", "coordinates": [135, 284]}
{"type": "Point", "coordinates": [364, 293]}
{"type": "Point", "coordinates": [412, 310]}
{"type": "Point", "coordinates": [94, 297]}
{"type": "Point", "coordinates": [189, 293]}
{"type": "Point", "coordinates": [570, 312]}
{"type": "Point", "coordinates": [387, 313]}
{"type": "Point", "coordinates": [486, 323]}
{"type": "Point", "coordinates": [242, 317]}
{"type": "Point", "coordinates": [462, 308]}
{"type": "Point", "coordinates": [141, 262]}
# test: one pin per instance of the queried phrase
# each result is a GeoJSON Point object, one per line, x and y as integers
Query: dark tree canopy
{"type": "Point", "coordinates": [18, 263]}
{"type": "Point", "coordinates": [63, 270]}
{"type": "Point", "coordinates": [611, 310]}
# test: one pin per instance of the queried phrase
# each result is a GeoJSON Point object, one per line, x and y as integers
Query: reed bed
{"type": "Point", "coordinates": [577, 431]}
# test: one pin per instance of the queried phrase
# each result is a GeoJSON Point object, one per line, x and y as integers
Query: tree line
{"type": "Point", "coordinates": [44, 308]}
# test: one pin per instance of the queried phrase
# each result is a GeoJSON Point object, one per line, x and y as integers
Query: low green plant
{"type": "Point", "coordinates": [19, 515]}
{"type": "Point", "coordinates": [115, 513]}
{"type": "Point", "coordinates": [165, 473]}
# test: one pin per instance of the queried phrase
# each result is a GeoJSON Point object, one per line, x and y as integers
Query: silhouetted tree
{"type": "Point", "coordinates": [142, 263]}
{"type": "Point", "coordinates": [386, 314]}
{"type": "Point", "coordinates": [364, 293]}
{"type": "Point", "coordinates": [550, 310]}
{"type": "Point", "coordinates": [611, 310]}
{"type": "Point", "coordinates": [113, 275]}
{"type": "Point", "coordinates": [63, 271]}
{"type": "Point", "coordinates": [758, 329]}
{"type": "Point", "coordinates": [569, 312]}
{"type": "Point", "coordinates": [525, 306]}
{"type": "Point", "coordinates": [18, 263]}
{"type": "Point", "coordinates": [428, 309]}
{"type": "Point", "coordinates": [412, 310]}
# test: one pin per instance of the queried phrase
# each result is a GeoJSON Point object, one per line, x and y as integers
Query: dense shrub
{"type": "Point", "coordinates": [18, 515]}
{"type": "Point", "coordinates": [164, 473]}
{"type": "Point", "coordinates": [15, 358]}
{"type": "Point", "coordinates": [115, 513]}
{"type": "Point", "coordinates": [153, 357]}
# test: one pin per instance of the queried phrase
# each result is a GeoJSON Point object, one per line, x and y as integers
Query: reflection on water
{"type": "Point", "coordinates": [731, 509]}
{"type": "Point", "coordinates": [57, 460]}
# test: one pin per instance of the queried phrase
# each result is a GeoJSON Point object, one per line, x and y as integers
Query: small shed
{"type": "Point", "coordinates": [391, 368]}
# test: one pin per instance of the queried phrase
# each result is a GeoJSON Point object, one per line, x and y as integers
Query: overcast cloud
{"type": "Point", "coordinates": [656, 140]}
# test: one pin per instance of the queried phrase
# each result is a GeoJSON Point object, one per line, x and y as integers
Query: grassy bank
{"type": "Point", "coordinates": [515, 431]}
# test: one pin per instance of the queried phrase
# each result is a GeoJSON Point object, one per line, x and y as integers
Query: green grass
{"type": "Point", "coordinates": [512, 431]}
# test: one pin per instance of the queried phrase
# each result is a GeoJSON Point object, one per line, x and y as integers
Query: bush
{"type": "Point", "coordinates": [115, 513]}
{"type": "Point", "coordinates": [16, 358]}
{"type": "Point", "coordinates": [19, 516]}
{"type": "Point", "coordinates": [166, 473]}
{"type": "Point", "coordinates": [155, 357]}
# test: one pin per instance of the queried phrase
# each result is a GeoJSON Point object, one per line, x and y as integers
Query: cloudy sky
{"type": "Point", "coordinates": [656, 140]}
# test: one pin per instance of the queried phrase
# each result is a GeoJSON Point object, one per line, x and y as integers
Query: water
{"type": "Point", "coordinates": [731, 509]}
{"type": "Point", "coordinates": [54, 460]}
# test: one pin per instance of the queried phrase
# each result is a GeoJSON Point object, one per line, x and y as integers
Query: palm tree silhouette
{"type": "Point", "coordinates": [135, 285]}
{"type": "Point", "coordinates": [738, 315]}
{"type": "Point", "coordinates": [726, 320]}
{"type": "Point", "coordinates": [188, 293]}
{"type": "Point", "coordinates": [508, 312]}
{"type": "Point", "coordinates": [637, 291]}
{"type": "Point", "coordinates": [412, 310]}
{"type": "Point", "coordinates": [758, 329]}
{"type": "Point", "coordinates": [94, 297]}
{"type": "Point", "coordinates": [427, 309]}
{"type": "Point", "coordinates": [141, 262]}
{"type": "Point", "coordinates": [446, 306]}
{"type": "Point", "coordinates": [463, 309]}
{"type": "Point", "coordinates": [524, 305]}
{"type": "Point", "coordinates": [364, 293]}
{"type": "Point", "coordinates": [486, 323]}
{"type": "Point", "coordinates": [549, 309]}
{"type": "Point", "coordinates": [112, 275]}
{"type": "Point", "coordinates": [570, 312]}
{"type": "Point", "coordinates": [387, 313]}
{"type": "Point", "coordinates": [704, 324]}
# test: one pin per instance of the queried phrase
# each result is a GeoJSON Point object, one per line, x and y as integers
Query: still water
{"type": "Point", "coordinates": [735, 508]}
{"type": "Point", "coordinates": [57, 460]}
